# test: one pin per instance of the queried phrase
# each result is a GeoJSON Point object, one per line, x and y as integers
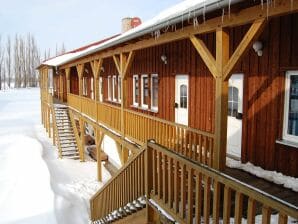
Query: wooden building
{"type": "Point", "coordinates": [215, 80]}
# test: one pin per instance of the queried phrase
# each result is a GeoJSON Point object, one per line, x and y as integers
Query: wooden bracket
{"type": "Point", "coordinates": [116, 59]}
{"type": "Point", "coordinates": [251, 35]}
{"type": "Point", "coordinates": [96, 66]}
{"type": "Point", "coordinates": [80, 69]}
{"type": "Point", "coordinates": [205, 54]}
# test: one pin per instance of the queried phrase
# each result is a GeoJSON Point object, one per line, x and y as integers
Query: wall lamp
{"type": "Point", "coordinates": [164, 59]}
{"type": "Point", "coordinates": [258, 47]}
{"type": "Point", "coordinates": [102, 69]}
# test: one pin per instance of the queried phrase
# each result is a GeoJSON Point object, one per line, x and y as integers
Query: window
{"type": "Point", "coordinates": [154, 92]}
{"type": "Point", "coordinates": [233, 101]}
{"type": "Point", "coordinates": [183, 96]}
{"type": "Point", "coordinates": [114, 88]}
{"type": "Point", "coordinates": [119, 88]}
{"type": "Point", "coordinates": [85, 85]}
{"type": "Point", "coordinates": [136, 90]}
{"type": "Point", "coordinates": [144, 91]}
{"type": "Point", "coordinates": [110, 88]}
{"type": "Point", "coordinates": [290, 130]}
{"type": "Point", "coordinates": [100, 89]}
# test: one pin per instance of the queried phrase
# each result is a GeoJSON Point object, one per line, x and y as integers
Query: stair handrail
{"type": "Point", "coordinates": [117, 200]}
{"type": "Point", "coordinates": [55, 129]}
{"type": "Point", "coordinates": [78, 139]}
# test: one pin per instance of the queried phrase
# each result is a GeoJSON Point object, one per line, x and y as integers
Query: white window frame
{"type": "Point", "coordinates": [100, 89]}
{"type": "Point", "coordinates": [85, 86]}
{"type": "Point", "coordinates": [154, 108]}
{"type": "Point", "coordinates": [134, 89]}
{"type": "Point", "coordinates": [109, 88]}
{"type": "Point", "coordinates": [144, 106]}
{"type": "Point", "coordinates": [287, 136]}
{"type": "Point", "coordinates": [119, 88]}
{"type": "Point", "coordinates": [113, 88]}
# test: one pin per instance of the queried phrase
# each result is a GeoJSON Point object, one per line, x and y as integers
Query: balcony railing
{"type": "Point", "coordinates": [191, 143]}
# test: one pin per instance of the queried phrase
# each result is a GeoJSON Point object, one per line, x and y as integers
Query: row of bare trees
{"type": "Point", "coordinates": [19, 58]}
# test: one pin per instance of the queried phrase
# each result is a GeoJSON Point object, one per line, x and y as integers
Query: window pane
{"type": "Point", "coordinates": [233, 101]}
{"type": "Point", "coordinates": [183, 96]}
{"type": "Point", "coordinates": [136, 96]}
{"type": "Point", "coordinates": [293, 107]}
{"type": "Point", "coordinates": [145, 90]}
{"type": "Point", "coordinates": [154, 91]}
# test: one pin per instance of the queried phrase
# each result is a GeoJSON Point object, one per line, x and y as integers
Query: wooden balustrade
{"type": "Point", "coordinates": [192, 192]}
{"type": "Point", "coordinates": [194, 144]}
{"type": "Point", "coordinates": [109, 115]}
{"type": "Point", "coordinates": [88, 107]}
{"type": "Point", "coordinates": [74, 101]}
{"type": "Point", "coordinates": [127, 186]}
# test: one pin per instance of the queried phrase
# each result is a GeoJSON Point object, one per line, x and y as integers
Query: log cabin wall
{"type": "Point", "coordinates": [264, 81]}
{"type": "Point", "coordinates": [74, 81]}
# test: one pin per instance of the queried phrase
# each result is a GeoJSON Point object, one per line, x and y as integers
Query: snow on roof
{"type": "Point", "coordinates": [190, 8]}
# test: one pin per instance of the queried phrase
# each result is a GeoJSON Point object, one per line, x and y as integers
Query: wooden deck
{"type": "Point", "coordinates": [278, 191]}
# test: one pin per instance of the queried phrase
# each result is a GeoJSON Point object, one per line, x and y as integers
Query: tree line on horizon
{"type": "Point", "coordinates": [19, 57]}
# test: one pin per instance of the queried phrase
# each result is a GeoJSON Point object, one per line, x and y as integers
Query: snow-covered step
{"type": "Point", "coordinates": [68, 144]}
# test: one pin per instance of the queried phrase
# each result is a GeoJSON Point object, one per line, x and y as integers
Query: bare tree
{"type": "Point", "coordinates": [1, 64]}
{"type": "Point", "coordinates": [8, 60]}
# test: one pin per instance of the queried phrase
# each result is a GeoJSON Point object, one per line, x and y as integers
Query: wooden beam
{"type": "Point", "coordinates": [117, 63]}
{"type": "Point", "coordinates": [80, 69]}
{"type": "Point", "coordinates": [251, 35]}
{"type": "Point", "coordinates": [96, 66]}
{"type": "Point", "coordinates": [128, 63]}
{"type": "Point", "coordinates": [205, 54]}
{"type": "Point", "coordinates": [245, 16]}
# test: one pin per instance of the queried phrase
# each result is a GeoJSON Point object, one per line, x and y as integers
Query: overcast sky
{"type": "Point", "coordinates": [74, 22]}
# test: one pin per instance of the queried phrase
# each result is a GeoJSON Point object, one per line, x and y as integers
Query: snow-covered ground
{"type": "Point", "coordinates": [273, 176]}
{"type": "Point", "coordinates": [36, 186]}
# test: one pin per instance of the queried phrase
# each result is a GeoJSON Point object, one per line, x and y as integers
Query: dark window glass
{"type": "Point", "coordinates": [183, 96]}
{"type": "Point", "coordinates": [233, 101]}
{"type": "Point", "coordinates": [293, 107]}
{"type": "Point", "coordinates": [154, 91]}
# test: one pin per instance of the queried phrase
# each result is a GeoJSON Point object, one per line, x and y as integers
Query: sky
{"type": "Point", "coordinates": [72, 22]}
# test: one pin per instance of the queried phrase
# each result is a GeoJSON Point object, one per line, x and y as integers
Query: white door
{"type": "Point", "coordinates": [181, 99]}
{"type": "Point", "coordinates": [235, 110]}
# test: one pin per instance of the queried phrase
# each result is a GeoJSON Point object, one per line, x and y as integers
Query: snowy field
{"type": "Point", "coordinates": [36, 186]}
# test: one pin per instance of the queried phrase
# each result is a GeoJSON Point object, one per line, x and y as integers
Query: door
{"type": "Point", "coordinates": [181, 99]}
{"type": "Point", "coordinates": [235, 109]}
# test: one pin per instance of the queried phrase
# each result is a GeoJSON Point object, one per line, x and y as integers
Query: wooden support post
{"type": "Point", "coordinates": [80, 69]}
{"type": "Point", "coordinates": [221, 100]}
{"type": "Point", "coordinates": [60, 87]}
{"type": "Point", "coordinates": [148, 184]}
{"type": "Point", "coordinates": [123, 63]}
{"type": "Point", "coordinates": [67, 74]}
{"type": "Point", "coordinates": [98, 141]}
{"type": "Point", "coordinates": [82, 130]}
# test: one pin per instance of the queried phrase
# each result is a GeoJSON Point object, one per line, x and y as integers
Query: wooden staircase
{"type": "Point", "coordinates": [172, 186]}
{"type": "Point", "coordinates": [65, 136]}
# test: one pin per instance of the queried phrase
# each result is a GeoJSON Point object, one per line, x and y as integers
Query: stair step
{"type": "Point", "coordinates": [72, 157]}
